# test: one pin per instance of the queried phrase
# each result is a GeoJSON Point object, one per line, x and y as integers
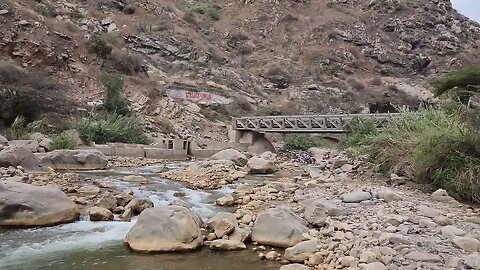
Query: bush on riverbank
{"type": "Point", "coordinates": [62, 141]}
{"type": "Point", "coordinates": [302, 142]}
{"type": "Point", "coordinates": [112, 128]}
{"type": "Point", "coordinates": [439, 146]}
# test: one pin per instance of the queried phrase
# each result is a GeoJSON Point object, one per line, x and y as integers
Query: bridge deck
{"type": "Point", "coordinates": [305, 123]}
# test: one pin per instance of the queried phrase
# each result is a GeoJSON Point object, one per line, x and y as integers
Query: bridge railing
{"type": "Point", "coordinates": [305, 123]}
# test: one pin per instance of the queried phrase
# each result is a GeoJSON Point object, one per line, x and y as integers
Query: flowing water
{"type": "Point", "coordinates": [99, 245]}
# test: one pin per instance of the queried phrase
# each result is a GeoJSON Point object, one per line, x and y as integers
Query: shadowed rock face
{"type": "Point", "coordinates": [27, 205]}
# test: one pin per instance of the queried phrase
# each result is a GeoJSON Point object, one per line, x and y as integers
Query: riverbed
{"type": "Point", "coordinates": [99, 245]}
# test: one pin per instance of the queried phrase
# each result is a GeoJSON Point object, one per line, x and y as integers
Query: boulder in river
{"type": "Point", "coordinates": [223, 223]}
{"type": "Point", "coordinates": [257, 165]}
{"type": "Point", "coordinates": [231, 154]}
{"type": "Point", "coordinates": [28, 205]}
{"type": "Point", "coordinates": [278, 227]}
{"type": "Point", "coordinates": [172, 228]}
{"type": "Point", "coordinates": [18, 156]}
{"type": "Point", "coordinates": [138, 205]}
{"type": "Point", "coordinates": [74, 160]}
{"type": "Point", "coordinates": [100, 214]}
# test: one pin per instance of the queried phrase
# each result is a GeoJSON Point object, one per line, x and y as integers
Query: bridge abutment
{"type": "Point", "coordinates": [257, 141]}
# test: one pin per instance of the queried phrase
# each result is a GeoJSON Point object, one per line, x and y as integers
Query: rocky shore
{"type": "Point", "coordinates": [335, 214]}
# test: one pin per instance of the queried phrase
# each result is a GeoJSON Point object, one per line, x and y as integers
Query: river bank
{"type": "Point", "coordinates": [338, 214]}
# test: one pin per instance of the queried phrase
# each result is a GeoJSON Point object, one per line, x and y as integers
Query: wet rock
{"type": "Point", "coordinates": [233, 155]}
{"type": "Point", "coordinates": [107, 201]}
{"type": "Point", "coordinates": [123, 198]}
{"type": "Point", "coordinates": [18, 156]}
{"type": "Point", "coordinates": [466, 243]}
{"type": "Point", "coordinates": [272, 255]}
{"type": "Point", "coordinates": [301, 251]}
{"type": "Point", "coordinates": [226, 200]}
{"type": "Point", "coordinates": [27, 205]}
{"type": "Point", "coordinates": [278, 227]}
{"type": "Point", "coordinates": [135, 178]}
{"type": "Point", "coordinates": [172, 228]}
{"type": "Point", "coordinates": [294, 266]}
{"type": "Point", "coordinates": [317, 211]}
{"type": "Point", "coordinates": [221, 244]}
{"type": "Point", "coordinates": [139, 205]}
{"type": "Point", "coordinates": [127, 215]}
{"type": "Point", "coordinates": [81, 200]}
{"type": "Point", "coordinates": [356, 197]}
{"type": "Point", "coordinates": [257, 165]}
{"type": "Point", "coordinates": [74, 160]}
{"type": "Point", "coordinates": [100, 214]}
{"type": "Point", "coordinates": [473, 261]}
{"type": "Point", "coordinates": [423, 257]}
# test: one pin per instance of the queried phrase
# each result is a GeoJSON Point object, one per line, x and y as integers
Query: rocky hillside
{"type": "Point", "coordinates": [195, 64]}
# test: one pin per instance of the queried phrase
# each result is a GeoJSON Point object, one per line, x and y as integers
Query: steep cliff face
{"type": "Point", "coordinates": [199, 63]}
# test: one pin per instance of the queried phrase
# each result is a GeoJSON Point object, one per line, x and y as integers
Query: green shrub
{"type": "Point", "coordinates": [464, 79]}
{"type": "Point", "coordinates": [45, 9]}
{"type": "Point", "coordinates": [166, 127]}
{"type": "Point", "coordinates": [438, 146]}
{"type": "Point", "coordinates": [112, 128]}
{"type": "Point", "coordinates": [210, 10]}
{"type": "Point", "coordinates": [302, 142]}
{"type": "Point", "coordinates": [126, 63]}
{"type": "Point", "coordinates": [129, 9]}
{"type": "Point", "coordinates": [358, 131]}
{"type": "Point", "coordinates": [114, 100]}
{"type": "Point", "coordinates": [20, 129]}
{"type": "Point", "coordinates": [62, 141]}
{"type": "Point", "coordinates": [99, 46]}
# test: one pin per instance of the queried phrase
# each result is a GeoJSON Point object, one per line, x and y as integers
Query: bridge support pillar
{"type": "Point", "coordinates": [257, 141]}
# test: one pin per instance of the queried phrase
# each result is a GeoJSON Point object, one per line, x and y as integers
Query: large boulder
{"type": "Point", "coordinates": [31, 145]}
{"type": "Point", "coordinates": [18, 156]}
{"type": "Point", "coordinates": [172, 228]}
{"type": "Point", "coordinates": [27, 205]}
{"type": "Point", "coordinates": [231, 154]}
{"type": "Point", "coordinates": [74, 160]}
{"type": "Point", "coordinates": [317, 211]}
{"type": "Point", "coordinates": [278, 227]}
{"type": "Point", "coordinates": [258, 165]}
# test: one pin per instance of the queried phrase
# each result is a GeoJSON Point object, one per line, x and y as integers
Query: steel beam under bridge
{"type": "Point", "coordinates": [305, 123]}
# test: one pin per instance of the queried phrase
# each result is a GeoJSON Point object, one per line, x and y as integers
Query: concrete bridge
{"type": "Point", "coordinates": [305, 123]}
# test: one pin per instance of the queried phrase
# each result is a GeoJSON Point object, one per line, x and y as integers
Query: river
{"type": "Point", "coordinates": [99, 245]}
